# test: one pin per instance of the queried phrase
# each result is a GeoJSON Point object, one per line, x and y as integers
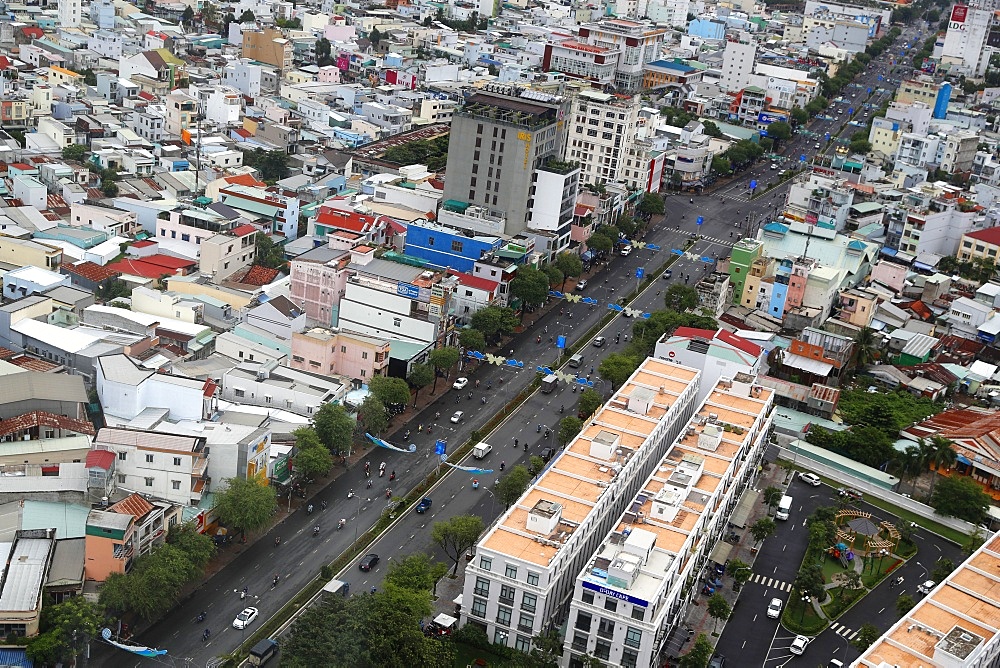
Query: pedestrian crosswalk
{"type": "Point", "coordinates": [770, 582]}
{"type": "Point", "coordinates": [723, 242]}
{"type": "Point", "coordinates": [843, 631]}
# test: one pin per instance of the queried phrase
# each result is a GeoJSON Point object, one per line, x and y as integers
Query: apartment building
{"type": "Point", "coordinates": [954, 625]}
{"type": "Point", "coordinates": [222, 255]}
{"type": "Point", "coordinates": [601, 128]}
{"type": "Point", "coordinates": [980, 245]}
{"type": "Point", "coordinates": [181, 113]}
{"type": "Point", "coordinates": [523, 572]}
{"type": "Point", "coordinates": [273, 386]}
{"type": "Point", "coordinates": [629, 597]}
{"type": "Point", "coordinates": [318, 281]}
{"type": "Point", "coordinates": [276, 212]}
{"type": "Point", "coordinates": [166, 466]}
{"type": "Point", "coordinates": [345, 353]}
{"type": "Point", "coordinates": [718, 354]}
{"type": "Point", "coordinates": [610, 51]}
{"type": "Point", "coordinates": [113, 222]}
{"type": "Point", "coordinates": [268, 46]}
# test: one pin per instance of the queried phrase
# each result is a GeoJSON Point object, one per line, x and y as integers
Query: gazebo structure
{"type": "Point", "coordinates": [858, 530]}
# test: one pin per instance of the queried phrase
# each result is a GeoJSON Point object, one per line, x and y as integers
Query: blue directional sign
{"type": "Point", "coordinates": [880, 77]}
{"type": "Point", "coordinates": [701, 219]}
{"type": "Point", "coordinates": [560, 341]}
{"type": "Point", "coordinates": [475, 354]}
{"type": "Point", "coordinates": [677, 251]}
{"type": "Point", "coordinates": [753, 184]}
{"type": "Point", "coordinates": [850, 111]}
{"type": "Point", "coordinates": [543, 369]}
{"type": "Point", "coordinates": [514, 363]}
{"type": "Point", "coordinates": [652, 247]}
{"type": "Point", "coordinates": [640, 272]}
{"type": "Point", "coordinates": [707, 260]}
{"type": "Point", "coordinates": [869, 90]}
{"type": "Point", "coordinates": [802, 158]}
{"type": "Point", "coordinates": [827, 136]}
{"type": "Point", "coordinates": [440, 447]}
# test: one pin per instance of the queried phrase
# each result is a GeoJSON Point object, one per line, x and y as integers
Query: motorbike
{"type": "Point", "coordinates": [406, 435]}
{"type": "Point", "coordinates": [548, 432]}
{"type": "Point", "coordinates": [277, 541]}
{"type": "Point", "coordinates": [538, 429]}
{"type": "Point", "coordinates": [388, 493]}
{"type": "Point", "coordinates": [316, 531]}
{"type": "Point", "coordinates": [369, 483]}
{"type": "Point", "coordinates": [475, 483]}
{"type": "Point", "coordinates": [274, 582]}
{"type": "Point", "coordinates": [574, 389]}
{"type": "Point", "coordinates": [503, 465]}
{"type": "Point", "coordinates": [200, 618]}
{"type": "Point", "coordinates": [562, 409]}
{"type": "Point", "coordinates": [323, 504]}
{"type": "Point", "coordinates": [437, 415]}
{"type": "Point", "coordinates": [392, 476]}
{"type": "Point", "coordinates": [381, 472]}
{"type": "Point", "coordinates": [350, 495]}
{"type": "Point", "coordinates": [341, 524]}
{"type": "Point", "coordinates": [309, 509]}
{"type": "Point", "coordinates": [206, 635]}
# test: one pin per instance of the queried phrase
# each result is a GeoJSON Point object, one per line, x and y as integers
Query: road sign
{"type": "Point", "coordinates": [827, 136]}
{"type": "Point", "coordinates": [677, 251]}
{"type": "Point", "coordinates": [869, 90]}
{"type": "Point", "coordinates": [639, 272]}
{"type": "Point", "coordinates": [701, 219]}
{"type": "Point", "coordinates": [753, 184]}
{"type": "Point", "coordinates": [440, 447]}
{"type": "Point", "coordinates": [560, 341]}
{"type": "Point", "coordinates": [850, 111]}
{"type": "Point", "coordinates": [802, 158]}
{"type": "Point", "coordinates": [880, 77]}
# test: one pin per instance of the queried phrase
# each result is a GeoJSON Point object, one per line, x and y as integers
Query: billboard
{"type": "Point", "coordinates": [959, 13]}
{"type": "Point", "coordinates": [768, 117]}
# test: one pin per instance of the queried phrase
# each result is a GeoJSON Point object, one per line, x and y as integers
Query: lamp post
{"type": "Point", "coordinates": [881, 555]}
{"type": "Point", "coordinates": [805, 602]}
{"type": "Point", "coordinates": [493, 503]}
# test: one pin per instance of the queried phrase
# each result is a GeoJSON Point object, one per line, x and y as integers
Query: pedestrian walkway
{"type": "Point", "coordinates": [721, 242]}
{"type": "Point", "coordinates": [843, 631]}
{"type": "Point", "coordinates": [770, 582]}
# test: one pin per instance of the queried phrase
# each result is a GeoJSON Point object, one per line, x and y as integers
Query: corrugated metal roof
{"type": "Point", "coordinates": [25, 574]}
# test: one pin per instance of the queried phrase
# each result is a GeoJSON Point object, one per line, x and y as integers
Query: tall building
{"type": "Point", "coordinates": [629, 597]}
{"type": "Point", "coordinates": [737, 64]}
{"type": "Point", "coordinates": [505, 168]}
{"type": "Point", "coordinates": [971, 38]}
{"type": "Point", "coordinates": [601, 129]}
{"type": "Point", "coordinates": [522, 575]}
{"type": "Point", "coordinates": [69, 13]}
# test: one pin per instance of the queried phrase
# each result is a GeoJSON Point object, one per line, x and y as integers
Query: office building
{"type": "Point", "coordinates": [524, 568]}
{"type": "Point", "coordinates": [629, 598]}
{"type": "Point", "coordinates": [601, 129]}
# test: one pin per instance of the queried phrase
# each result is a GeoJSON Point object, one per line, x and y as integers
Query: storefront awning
{"type": "Point", "coordinates": [742, 513]}
{"type": "Point", "coordinates": [720, 554]}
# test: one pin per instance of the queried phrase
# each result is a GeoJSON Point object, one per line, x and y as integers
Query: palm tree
{"type": "Point", "coordinates": [943, 457]}
{"type": "Point", "coordinates": [908, 463]}
{"type": "Point", "coordinates": [864, 347]}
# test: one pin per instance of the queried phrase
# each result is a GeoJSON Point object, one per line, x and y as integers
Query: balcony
{"type": "Point", "coordinates": [506, 600]}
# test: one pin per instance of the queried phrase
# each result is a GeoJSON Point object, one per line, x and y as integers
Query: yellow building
{"type": "Point", "coordinates": [24, 252]}
{"type": "Point", "coordinates": [60, 75]}
{"type": "Point", "coordinates": [981, 244]}
{"type": "Point", "coordinates": [268, 46]}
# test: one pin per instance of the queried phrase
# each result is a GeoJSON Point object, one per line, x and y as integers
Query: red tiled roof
{"type": "Point", "coordinates": [477, 282]}
{"type": "Point", "coordinates": [33, 31]}
{"type": "Point", "coordinates": [258, 275]}
{"type": "Point", "coordinates": [210, 388]}
{"type": "Point", "coordinates": [244, 180]}
{"type": "Point", "coordinates": [22, 166]}
{"type": "Point", "coordinates": [56, 202]}
{"type": "Point", "coordinates": [43, 419]}
{"type": "Point", "coordinates": [972, 431]}
{"type": "Point", "coordinates": [692, 332]}
{"type": "Point", "coordinates": [139, 268]}
{"type": "Point", "coordinates": [990, 235]}
{"type": "Point", "coordinates": [133, 505]}
{"type": "Point", "coordinates": [5, 62]}
{"type": "Point", "coordinates": [243, 230]}
{"type": "Point", "coordinates": [6, 352]}
{"type": "Point", "coordinates": [738, 342]}
{"type": "Point", "coordinates": [168, 261]}
{"type": "Point", "coordinates": [147, 96]}
{"type": "Point", "coordinates": [144, 243]}
{"type": "Point", "coordinates": [243, 133]}
{"type": "Point", "coordinates": [90, 271]}
{"type": "Point", "coordinates": [347, 220]}
{"type": "Point", "coordinates": [34, 364]}
{"type": "Point", "coordinates": [100, 459]}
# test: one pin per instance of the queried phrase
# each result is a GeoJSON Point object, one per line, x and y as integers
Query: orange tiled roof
{"type": "Point", "coordinates": [43, 419]}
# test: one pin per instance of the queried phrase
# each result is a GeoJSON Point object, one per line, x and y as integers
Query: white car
{"type": "Point", "coordinates": [799, 644]}
{"type": "Point", "coordinates": [810, 479]}
{"type": "Point", "coordinates": [926, 587]}
{"type": "Point", "coordinates": [457, 417]}
{"type": "Point", "coordinates": [626, 250]}
{"type": "Point", "coordinates": [244, 618]}
{"type": "Point", "coordinates": [774, 165]}
{"type": "Point", "coordinates": [460, 383]}
{"type": "Point", "coordinates": [774, 608]}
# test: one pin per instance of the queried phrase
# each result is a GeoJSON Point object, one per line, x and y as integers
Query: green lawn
{"type": "Point", "coordinates": [466, 655]}
{"type": "Point", "coordinates": [841, 600]}
{"type": "Point", "coordinates": [797, 620]}
{"type": "Point", "coordinates": [831, 566]}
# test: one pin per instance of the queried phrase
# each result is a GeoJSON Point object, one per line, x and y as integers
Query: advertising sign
{"type": "Point", "coordinates": [768, 117]}
{"type": "Point", "coordinates": [959, 13]}
{"type": "Point", "coordinates": [407, 290]}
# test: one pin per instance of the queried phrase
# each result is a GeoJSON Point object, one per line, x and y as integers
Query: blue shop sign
{"type": "Point", "coordinates": [615, 594]}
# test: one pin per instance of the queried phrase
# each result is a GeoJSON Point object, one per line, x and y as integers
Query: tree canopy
{"type": "Point", "coordinates": [389, 390]}
{"type": "Point", "coordinates": [680, 298]}
{"type": "Point", "coordinates": [530, 285]}
{"type": "Point", "coordinates": [312, 457]}
{"type": "Point", "coordinates": [245, 504]}
{"type": "Point", "coordinates": [569, 427]}
{"type": "Point", "coordinates": [373, 415]}
{"type": "Point", "coordinates": [511, 486]}
{"type": "Point", "coordinates": [961, 497]}
{"type": "Point", "coordinates": [334, 427]}
{"type": "Point", "coordinates": [64, 630]}
{"type": "Point", "coordinates": [616, 368]}
{"type": "Point", "coordinates": [651, 205]}
{"type": "Point", "coordinates": [457, 535]}
{"type": "Point", "coordinates": [494, 322]}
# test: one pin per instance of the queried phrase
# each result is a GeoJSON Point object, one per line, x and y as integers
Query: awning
{"type": "Point", "coordinates": [962, 459]}
{"type": "Point", "coordinates": [587, 256]}
{"type": "Point", "coordinates": [808, 364]}
{"type": "Point", "coordinates": [742, 513]}
{"type": "Point", "coordinates": [720, 554]}
{"type": "Point", "coordinates": [446, 621]}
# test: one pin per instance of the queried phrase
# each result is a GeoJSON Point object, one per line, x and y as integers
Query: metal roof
{"type": "Point", "coordinates": [25, 574]}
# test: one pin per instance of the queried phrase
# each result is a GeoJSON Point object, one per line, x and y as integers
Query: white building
{"type": "Point", "coordinates": [110, 220]}
{"type": "Point", "coordinates": [629, 596]}
{"type": "Point", "coordinates": [965, 43]}
{"type": "Point", "coordinates": [167, 305]}
{"type": "Point", "coordinates": [31, 191]}
{"type": "Point", "coordinates": [600, 126]}
{"type": "Point", "coordinates": [737, 64]}
{"type": "Point", "coordinates": [126, 390]}
{"type": "Point", "coordinates": [524, 565]}
{"type": "Point", "coordinates": [165, 466]}
{"type": "Point", "coordinates": [31, 280]}
{"type": "Point", "coordinates": [70, 14]}
{"type": "Point", "coordinates": [278, 316]}
{"type": "Point", "coordinates": [718, 354]}
{"type": "Point", "coordinates": [273, 386]}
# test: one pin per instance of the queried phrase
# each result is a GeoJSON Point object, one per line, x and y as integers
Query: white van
{"type": "Point", "coordinates": [784, 508]}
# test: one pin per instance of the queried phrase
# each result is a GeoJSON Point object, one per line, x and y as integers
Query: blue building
{"type": "Point", "coordinates": [447, 247]}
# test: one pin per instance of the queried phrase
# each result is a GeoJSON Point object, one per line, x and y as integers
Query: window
{"type": "Point", "coordinates": [602, 650]}
{"type": "Point", "coordinates": [638, 613]}
{"type": "Point", "coordinates": [630, 659]}
{"type": "Point", "coordinates": [121, 479]}
{"type": "Point", "coordinates": [507, 594]}
{"type": "Point", "coordinates": [430, 240]}
{"type": "Point", "coordinates": [528, 602]}
{"type": "Point", "coordinates": [149, 482]}
{"type": "Point", "coordinates": [511, 572]}
{"type": "Point", "coordinates": [482, 587]}
{"type": "Point", "coordinates": [122, 456]}
{"type": "Point", "coordinates": [149, 459]}
{"type": "Point", "coordinates": [532, 577]}
{"type": "Point", "coordinates": [588, 597]}
{"type": "Point", "coordinates": [503, 615]}
{"type": "Point", "coordinates": [267, 399]}
{"type": "Point", "coordinates": [176, 484]}
{"type": "Point", "coordinates": [522, 643]}
{"type": "Point", "coordinates": [485, 563]}
{"type": "Point", "coordinates": [500, 637]}
{"type": "Point", "coordinates": [610, 604]}
{"type": "Point", "coordinates": [177, 461]}
{"type": "Point", "coordinates": [240, 393]}
{"type": "Point", "coordinates": [583, 621]}
{"type": "Point", "coordinates": [606, 628]}
{"type": "Point", "coordinates": [479, 607]}
{"type": "Point", "coordinates": [580, 642]}
{"type": "Point", "coordinates": [364, 355]}
{"type": "Point", "coordinates": [185, 237]}
{"type": "Point", "coordinates": [50, 433]}
{"type": "Point", "coordinates": [456, 246]}
{"type": "Point", "coordinates": [397, 322]}
{"type": "Point", "coordinates": [525, 623]}
{"type": "Point", "coordinates": [633, 637]}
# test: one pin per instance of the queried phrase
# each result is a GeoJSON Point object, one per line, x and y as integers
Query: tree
{"type": "Point", "coordinates": [651, 205]}
{"type": "Point", "coordinates": [247, 17]}
{"type": "Point", "coordinates": [373, 416]}
{"type": "Point", "coordinates": [65, 630]}
{"type": "Point", "coordinates": [942, 569]}
{"type": "Point", "coordinates": [273, 165]}
{"type": "Point", "coordinates": [198, 547]}
{"type": "Point", "coordinates": [109, 188]}
{"type": "Point", "coordinates": [943, 457]}
{"type": "Point", "coordinates": [375, 36]}
{"type": "Point", "coordinates": [494, 322]}
{"type": "Point", "coordinates": [569, 264]}
{"type": "Point", "coordinates": [680, 298]}
{"type": "Point", "coordinates": [740, 572]}
{"type": "Point", "coordinates": [152, 586]}
{"type": "Point", "coordinates": [864, 347]}
{"type": "Point", "coordinates": [323, 49]}
{"type": "Point", "coordinates": [421, 375]}
{"type": "Point", "coordinates": [209, 14]}
{"type": "Point", "coordinates": [334, 427]}
{"type": "Point", "coordinates": [616, 368]}
{"type": "Point", "coordinates": [867, 634]}
{"type": "Point", "coordinates": [112, 290]}
{"type": "Point", "coordinates": [312, 458]}
{"type": "Point", "coordinates": [547, 648]}
{"type": "Point", "coordinates": [472, 339]}
{"type": "Point", "coordinates": [569, 427]}
{"type": "Point", "coordinates": [904, 604]}
{"type": "Point", "coordinates": [779, 131]}
{"type": "Point", "coordinates": [852, 580]}
{"type": "Point", "coordinates": [721, 166]}
{"type": "Point", "coordinates": [442, 359]}
{"type": "Point", "coordinates": [762, 528]}
{"type": "Point", "coordinates": [961, 497]}
{"type": "Point", "coordinates": [554, 275]}
{"type": "Point", "coordinates": [772, 497]}
{"type": "Point", "coordinates": [809, 581]}
{"type": "Point", "coordinates": [973, 542]}
{"type": "Point", "coordinates": [718, 608]}
{"type": "Point", "coordinates": [415, 572]}
{"type": "Point", "coordinates": [188, 15]}
{"type": "Point", "coordinates": [862, 146]}
{"type": "Point", "coordinates": [268, 253]}
{"type": "Point", "coordinates": [511, 486]}
{"type": "Point", "coordinates": [799, 115]}
{"type": "Point", "coordinates": [389, 390]}
{"type": "Point", "coordinates": [712, 130]}
{"type": "Point", "coordinates": [530, 285]}
{"type": "Point", "coordinates": [600, 243]}
{"type": "Point", "coordinates": [246, 505]}
{"type": "Point", "coordinates": [457, 535]}
{"type": "Point", "coordinates": [74, 152]}
{"type": "Point", "coordinates": [590, 400]}
{"type": "Point", "coordinates": [699, 655]}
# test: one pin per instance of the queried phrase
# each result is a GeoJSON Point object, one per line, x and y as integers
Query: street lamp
{"type": "Point", "coordinates": [881, 555]}
{"type": "Point", "coordinates": [805, 602]}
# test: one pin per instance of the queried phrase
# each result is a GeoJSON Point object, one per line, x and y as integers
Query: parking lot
{"type": "Point", "coordinates": [774, 571]}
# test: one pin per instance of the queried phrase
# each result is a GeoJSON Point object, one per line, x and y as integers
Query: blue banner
{"type": "Point", "coordinates": [753, 184]}
{"type": "Point", "coordinates": [701, 219]}
{"type": "Point", "coordinates": [389, 446]}
{"type": "Point", "coordinates": [560, 341]}
{"type": "Point", "coordinates": [640, 272]}
{"type": "Point", "coordinates": [440, 447]}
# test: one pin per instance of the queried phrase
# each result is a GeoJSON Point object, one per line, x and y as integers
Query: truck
{"type": "Point", "coordinates": [549, 383]}
{"type": "Point", "coordinates": [481, 450]}
{"type": "Point", "coordinates": [784, 508]}
{"type": "Point", "coordinates": [263, 651]}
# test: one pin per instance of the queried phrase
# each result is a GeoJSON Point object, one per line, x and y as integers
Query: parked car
{"type": "Point", "coordinates": [547, 454]}
{"type": "Point", "coordinates": [457, 417]}
{"type": "Point", "coordinates": [626, 250]}
{"type": "Point", "coordinates": [774, 608]}
{"type": "Point", "coordinates": [774, 165]}
{"type": "Point", "coordinates": [810, 478]}
{"type": "Point", "coordinates": [580, 285]}
{"type": "Point", "coordinates": [718, 661]}
{"type": "Point", "coordinates": [424, 505]}
{"type": "Point", "coordinates": [799, 644]}
{"type": "Point", "coordinates": [244, 618]}
{"type": "Point", "coordinates": [599, 341]}
{"type": "Point", "coordinates": [852, 494]}
{"type": "Point", "coordinates": [460, 383]}
{"type": "Point", "coordinates": [368, 562]}
{"type": "Point", "coordinates": [925, 588]}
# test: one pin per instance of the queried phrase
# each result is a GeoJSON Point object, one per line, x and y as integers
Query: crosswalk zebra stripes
{"type": "Point", "coordinates": [843, 631]}
{"type": "Point", "coordinates": [765, 581]}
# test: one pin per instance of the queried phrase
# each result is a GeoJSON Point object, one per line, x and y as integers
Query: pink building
{"type": "Point", "coordinates": [797, 283]}
{"type": "Point", "coordinates": [889, 274]}
{"type": "Point", "coordinates": [318, 280]}
{"type": "Point", "coordinates": [347, 354]}
{"type": "Point", "coordinates": [329, 74]}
